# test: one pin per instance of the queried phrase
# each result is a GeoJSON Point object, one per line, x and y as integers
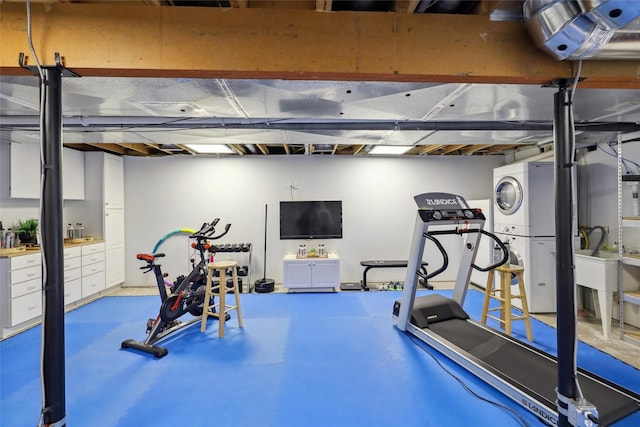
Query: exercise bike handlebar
{"type": "Point", "coordinates": [226, 230]}
{"type": "Point", "coordinates": [208, 230]}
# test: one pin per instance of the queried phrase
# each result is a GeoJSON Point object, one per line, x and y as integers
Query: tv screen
{"type": "Point", "coordinates": [311, 220]}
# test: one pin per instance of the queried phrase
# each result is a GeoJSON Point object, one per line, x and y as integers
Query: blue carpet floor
{"type": "Point", "coordinates": [300, 360]}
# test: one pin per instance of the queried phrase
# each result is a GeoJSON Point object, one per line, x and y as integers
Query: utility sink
{"type": "Point", "coordinates": [599, 272]}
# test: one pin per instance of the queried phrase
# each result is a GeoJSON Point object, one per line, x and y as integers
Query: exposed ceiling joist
{"type": "Point", "coordinates": [280, 43]}
{"type": "Point", "coordinates": [406, 6]}
{"type": "Point", "coordinates": [452, 148]}
{"type": "Point", "coordinates": [475, 148]}
{"type": "Point", "coordinates": [264, 79]}
{"type": "Point", "coordinates": [426, 149]}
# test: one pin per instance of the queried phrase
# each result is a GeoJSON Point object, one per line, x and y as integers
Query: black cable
{"type": "Point", "coordinates": [508, 410]}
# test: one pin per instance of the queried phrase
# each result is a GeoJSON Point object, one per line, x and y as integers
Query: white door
{"type": "Point", "coordinates": [113, 182]}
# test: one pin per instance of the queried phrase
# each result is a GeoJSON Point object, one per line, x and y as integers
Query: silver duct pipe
{"type": "Point", "coordinates": [585, 29]}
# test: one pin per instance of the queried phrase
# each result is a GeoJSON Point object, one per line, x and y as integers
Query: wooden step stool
{"type": "Point", "coordinates": [503, 294]}
{"type": "Point", "coordinates": [221, 308]}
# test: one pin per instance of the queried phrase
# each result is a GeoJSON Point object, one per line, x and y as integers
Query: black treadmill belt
{"type": "Point", "coordinates": [532, 373]}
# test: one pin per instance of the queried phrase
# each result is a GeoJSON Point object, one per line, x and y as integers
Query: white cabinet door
{"type": "Point", "coordinates": [113, 182]}
{"type": "Point", "coordinates": [72, 174]}
{"type": "Point", "coordinates": [114, 228]}
{"type": "Point", "coordinates": [114, 266]}
{"type": "Point", "coordinates": [326, 273]}
{"type": "Point", "coordinates": [297, 274]}
{"type": "Point", "coordinates": [25, 170]}
{"type": "Point", "coordinates": [114, 238]}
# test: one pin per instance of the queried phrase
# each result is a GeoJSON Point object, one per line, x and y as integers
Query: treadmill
{"type": "Point", "coordinates": [522, 372]}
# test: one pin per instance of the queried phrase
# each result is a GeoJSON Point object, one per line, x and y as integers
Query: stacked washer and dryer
{"type": "Point", "coordinates": [524, 217]}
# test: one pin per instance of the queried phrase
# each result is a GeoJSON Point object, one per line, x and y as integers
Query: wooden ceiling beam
{"type": "Point", "coordinates": [324, 5]}
{"type": "Point", "coordinates": [406, 6]}
{"type": "Point", "coordinates": [238, 149]}
{"type": "Point", "coordinates": [426, 149]}
{"type": "Point", "coordinates": [139, 148]}
{"type": "Point", "coordinates": [112, 148]}
{"type": "Point", "coordinates": [475, 148]}
{"type": "Point", "coordinates": [158, 149]}
{"type": "Point", "coordinates": [501, 148]}
{"type": "Point", "coordinates": [263, 149]}
{"type": "Point", "coordinates": [249, 43]}
{"type": "Point", "coordinates": [187, 149]}
{"type": "Point", "coordinates": [451, 148]}
{"type": "Point", "coordinates": [358, 148]}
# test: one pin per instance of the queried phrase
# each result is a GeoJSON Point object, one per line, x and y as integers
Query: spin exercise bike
{"type": "Point", "coordinates": [522, 372]}
{"type": "Point", "coordinates": [185, 295]}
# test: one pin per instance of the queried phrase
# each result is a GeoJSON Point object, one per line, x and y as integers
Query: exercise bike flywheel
{"type": "Point", "coordinates": [168, 310]}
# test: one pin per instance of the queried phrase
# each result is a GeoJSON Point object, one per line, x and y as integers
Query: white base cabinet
{"type": "Point", "coordinates": [20, 289]}
{"type": "Point", "coordinates": [21, 284]}
{"type": "Point", "coordinates": [72, 274]}
{"type": "Point", "coordinates": [311, 274]}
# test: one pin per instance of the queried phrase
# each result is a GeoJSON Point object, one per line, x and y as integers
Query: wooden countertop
{"type": "Point", "coordinates": [29, 251]}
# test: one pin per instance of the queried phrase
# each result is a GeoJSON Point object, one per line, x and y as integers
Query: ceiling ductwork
{"type": "Point", "coordinates": [585, 29]}
{"type": "Point", "coordinates": [446, 6]}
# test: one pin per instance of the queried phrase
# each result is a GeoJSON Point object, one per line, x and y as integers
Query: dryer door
{"type": "Point", "coordinates": [509, 195]}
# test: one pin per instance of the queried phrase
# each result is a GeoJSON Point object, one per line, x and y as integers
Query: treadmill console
{"type": "Point", "coordinates": [448, 215]}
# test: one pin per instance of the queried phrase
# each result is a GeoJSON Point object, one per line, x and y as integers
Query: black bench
{"type": "Point", "coordinates": [368, 265]}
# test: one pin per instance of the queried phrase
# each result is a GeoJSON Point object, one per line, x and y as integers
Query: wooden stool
{"type": "Point", "coordinates": [505, 298]}
{"type": "Point", "coordinates": [220, 290]}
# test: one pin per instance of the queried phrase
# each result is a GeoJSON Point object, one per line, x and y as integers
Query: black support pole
{"type": "Point", "coordinates": [52, 245]}
{"type": "Point", "coordinates": [565, 278]}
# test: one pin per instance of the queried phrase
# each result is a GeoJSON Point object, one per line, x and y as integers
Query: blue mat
{"type": "Point", "coordinates": [300, 360]}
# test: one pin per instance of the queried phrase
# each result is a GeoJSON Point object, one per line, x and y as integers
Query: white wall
{"type": "Point", "coordinates": [598, 190]}
{"type": "Point", "coordinates": [165, 194]}
{"type": "Point", "coordinates": [597, 180]}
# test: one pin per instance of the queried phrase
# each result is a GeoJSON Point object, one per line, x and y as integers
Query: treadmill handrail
{"type": "Point", "coordinates": [445, 257]}
{"type": "Point", "coordinates": [430, 234]}
{"type": "Point", "coordinates": [503, 247]}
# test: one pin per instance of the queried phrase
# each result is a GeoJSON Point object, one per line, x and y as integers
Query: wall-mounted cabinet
{"type": "Point", "coordinates": [20, 171]}
{"type": "Point", "coordinates": [72, 174]}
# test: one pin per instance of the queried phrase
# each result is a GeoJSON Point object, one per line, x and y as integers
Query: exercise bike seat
{"type": "Point", "coordinates": [149, 257]}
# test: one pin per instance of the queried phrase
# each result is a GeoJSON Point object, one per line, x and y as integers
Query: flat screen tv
{"type": "Point", "coordinates": [311, 219]}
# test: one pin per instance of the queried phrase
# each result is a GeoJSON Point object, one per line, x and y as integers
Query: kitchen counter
{"type": "Point", "coordinates": [37, 249]}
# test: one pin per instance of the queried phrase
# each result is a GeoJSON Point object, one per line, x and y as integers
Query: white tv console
{"type": "Point", "coordinates": [311, 274]}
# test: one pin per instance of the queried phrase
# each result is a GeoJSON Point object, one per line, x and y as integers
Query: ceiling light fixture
{"type": "Point", "coordinates": [390, 149]}
{"type": "Point", "coordinates": [210, 148]}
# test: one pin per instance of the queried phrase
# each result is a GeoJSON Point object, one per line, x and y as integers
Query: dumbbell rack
{"type": "Point", "coordinates": [241, 252]}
